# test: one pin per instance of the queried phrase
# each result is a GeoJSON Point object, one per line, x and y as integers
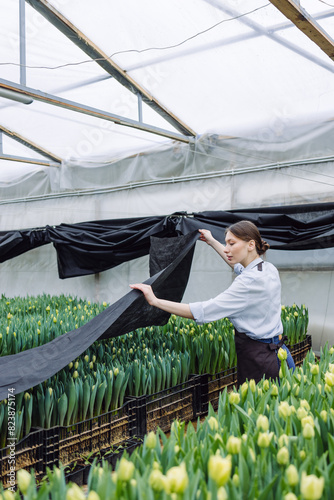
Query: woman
{"type": "Point", "coordinates": [252, 302]}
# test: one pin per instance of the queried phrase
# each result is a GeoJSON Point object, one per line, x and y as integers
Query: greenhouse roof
{"type": "Point", "coordinates": [106, 79]}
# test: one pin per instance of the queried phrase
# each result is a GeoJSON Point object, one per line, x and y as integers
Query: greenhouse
{"type": "Point", "coordinates": [136, 138]}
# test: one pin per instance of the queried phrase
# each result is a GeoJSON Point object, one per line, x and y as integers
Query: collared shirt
{"type": "Point", "coordinates": [252, 302]}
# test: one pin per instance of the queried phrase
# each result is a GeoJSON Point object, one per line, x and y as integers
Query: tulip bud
{"type": "Point", "coordinates": [329, 379]}
{"type": "Point", "coordinates": [314, 369]}
{"type": "Point", "coordinates": [233, 445]}
{"type": "Point", "coordinates": [219, 469]}
{"type": "Point", "coordinates": [301, 413]}
{"type": "Point", "coordinates": [151, 440]}
{"type": "Point", "coordinates": [23, 480]}
{"type": "Point", "coordinates": [274, 390]}
{"type": "Point", "coordinates": [323, 415]}
{"type": "Point", "coordinates": [157, 480]}
{"type": "Point", "coordinates": [236, 480]}
{"type": "Point", "coordinates": [290, 496]}
{"type": "Point", "coordinates": [213, 423]}
{"type": "Point", "coordinates": [177, 478]}
{"type": "Point", "coordinates": [292, 475]}
{"type": "Point", "coordinates": [307, 420]}
{"type": "Point", "coordinates": [125, 470]}
{"type": "Point", "coordinates": [75, 493]}
{"type": "Point", "coordinates": [264, 439]}
{"type": "Point", "coordinates": [265, 385]}
{"type": "Point", "coordinates": [283, 456]}
{"type": "Point", "coordinates": [302, 454]}
{"type": "Point", "coordinates": [234, 398]}
{"type": "Point", "coordinates": [327, 388]}
{"type": "Point", "coordinates": [311, 487]}
{"type": "Point", "coordinates": [222, 494]}
{"type": "Point", "coordinates": [262, 423]}
{"type": "Point", "coordinates": [284, 409]}
{"type": "Point", "coordinates": [244, 390]}
{"type": "Point", "coordinates": [282, 354]}
{"type": "Point", "coordinates": [308, 431]}
{"type": "Point", "coordinates": [331, 350]}
{"type": "Point", "coordinates": [304, 404]}
{"type": "Point", "coordinates": [75, 374]}
{"type": "Point", "coordinates": [331, 367]}
{"type": "Point", "coordinates": [86, 358]}
{"type": "Point", "coordinates": [92, 495]}
{"type": "Point", "coordinates": [252, 385]}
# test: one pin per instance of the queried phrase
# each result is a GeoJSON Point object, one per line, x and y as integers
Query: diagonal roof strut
{"type": "Point", "coordinates": [87, 46]}
{"type": "Point", "coordinates": [270, 34]}
{"type": "Point", "coordinates": [23, 159]}
{"type": "Point", "coordinates": [29, 144]}
{"type": "Point", "coordinates": [303, 21]}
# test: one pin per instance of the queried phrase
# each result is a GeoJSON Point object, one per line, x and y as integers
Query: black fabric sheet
{"type": "Point", "coordinates": [28, 368]}
{"type": "Point", "coordinates": [91, 247]}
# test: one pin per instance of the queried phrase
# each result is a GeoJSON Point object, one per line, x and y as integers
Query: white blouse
{"type": "Point", "coordinates": [252, 302]}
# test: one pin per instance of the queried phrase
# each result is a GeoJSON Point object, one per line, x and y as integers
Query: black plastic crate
{"type": "Point", "coordinates": [299, 351]}
{"type": "Point", "coordinates": [209, 387]}
{"type": "Point", "coordinates": [93, 435]}
{"type": "Point", "coordinates": [163, 407]}
{"type": "Point", "coordinates": [26, 454]}
{"type": "Point", "coordinates": [81, 469]}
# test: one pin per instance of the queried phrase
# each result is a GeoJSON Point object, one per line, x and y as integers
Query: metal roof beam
{"type": "Point", "coordinates": [29, 144]}
{"type": "Point", "coordinates": [37, 95]}
{"type": "Point", "coordinates": [87, 46]}
{"type": "Point", "coordinates": [305, 23]}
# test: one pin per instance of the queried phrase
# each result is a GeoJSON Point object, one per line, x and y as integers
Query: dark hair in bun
{"type": "Point", "coordinates": [247, 231]}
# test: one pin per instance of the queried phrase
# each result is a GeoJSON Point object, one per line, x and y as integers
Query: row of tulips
{"type": "Point", "coordinates": [145, 361]}
{"type": "Point", "coordinates": [33, 321]}
{"type": "Point", "coordinates": [267, 441]}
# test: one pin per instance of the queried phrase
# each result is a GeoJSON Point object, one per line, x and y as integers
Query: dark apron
{"type": "Point", "coordinates": [255, 358]}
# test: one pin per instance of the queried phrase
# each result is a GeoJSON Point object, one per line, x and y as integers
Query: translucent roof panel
{"type": "Point", "coordinates": [235, 68]}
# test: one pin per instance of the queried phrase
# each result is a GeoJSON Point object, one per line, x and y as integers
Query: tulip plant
{"type": "Point", "coordinates": [145, 361]}
{"type": "Point", "coordinates": [267, 441]}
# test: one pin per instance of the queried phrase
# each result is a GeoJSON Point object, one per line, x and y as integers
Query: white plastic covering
{"type": "Point", "coordinates": [256, 91]}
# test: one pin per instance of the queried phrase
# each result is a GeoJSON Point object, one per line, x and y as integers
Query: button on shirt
{"type": "Point", "coordinates": [252, 303]}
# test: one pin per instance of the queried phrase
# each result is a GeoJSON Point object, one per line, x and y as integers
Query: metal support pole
{"type": "Point", "coordinates": [140, 108]}
{"type": "Point", "coordinates": [1, 143]}
{"type": "Point", "coordinates": [23, 75]}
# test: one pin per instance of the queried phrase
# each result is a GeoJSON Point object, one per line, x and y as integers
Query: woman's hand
{"type": "Point", "coordinates": [165, 305]}
{"type": "Point", "coordinates": [206, 236]}
{"type": "Point", "coordinates": [147, 291]}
